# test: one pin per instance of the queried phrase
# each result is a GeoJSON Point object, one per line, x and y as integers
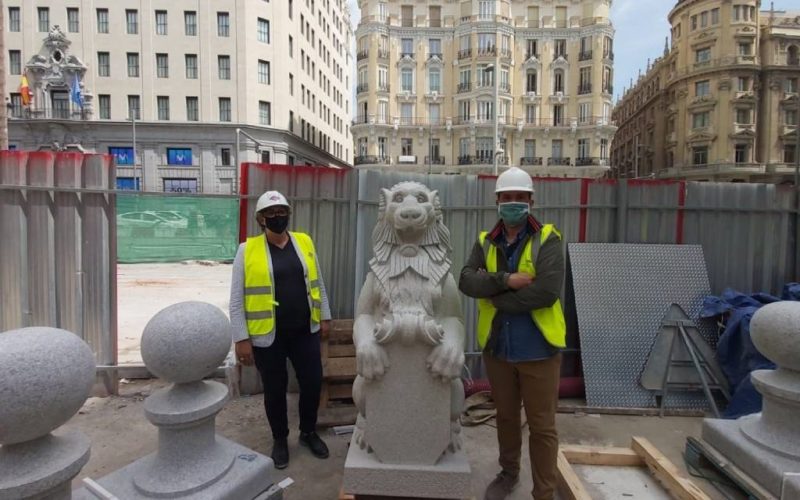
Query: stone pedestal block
{"type": "Point", "coordinates": [184, 343]}
{"type": "Point", "coordinates": [47, 374]}
{"type": "Point", "coordinates": [767, 445]}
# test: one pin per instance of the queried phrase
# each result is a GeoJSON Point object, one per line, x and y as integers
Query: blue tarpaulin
{"type": "Point", "coordinates": [736, 353]}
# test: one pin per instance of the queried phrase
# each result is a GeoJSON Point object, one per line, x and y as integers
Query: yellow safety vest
{"type": "Point", "coordinates": [549, 320]}
{"type": "Point", "coordinates": [259, 294]}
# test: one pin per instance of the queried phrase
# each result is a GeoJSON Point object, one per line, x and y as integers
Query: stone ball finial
{"type": "Point", "coordinates": [775, 330]}
{"type": "Point", "coordinates": [46, 376]}
{"type": "Point", "coordinates": [186, 342]}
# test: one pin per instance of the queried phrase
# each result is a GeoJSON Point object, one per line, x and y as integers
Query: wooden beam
{"type": "Point", "coordinates": [598, 455]}
{"type": "Point", "coordinates": [666, 473]}
{"type": "Point", "coordinates": [570, 486]}
{"type": "Point", "coordinates": [341, 350]}
{"type": "Point", "coordinates": [345, 496]}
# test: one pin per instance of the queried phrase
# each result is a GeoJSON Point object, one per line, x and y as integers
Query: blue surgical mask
{"type": "Point", "coordinates": [513, 213]}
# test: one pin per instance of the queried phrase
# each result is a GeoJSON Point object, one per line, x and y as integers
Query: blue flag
{"type": "Point", "coordinates": [75, 94]}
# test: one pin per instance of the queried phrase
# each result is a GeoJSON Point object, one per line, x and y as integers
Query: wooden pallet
{"type": "Point", "coordinates": [641, 453]}
{"type": "Point", "coordinates": [338, 373]}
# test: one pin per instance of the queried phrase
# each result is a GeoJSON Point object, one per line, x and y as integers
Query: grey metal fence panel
{"type": "Point", "coordinates": [652, 212]}
{"type": "Point", "coordinates": [58, 265]}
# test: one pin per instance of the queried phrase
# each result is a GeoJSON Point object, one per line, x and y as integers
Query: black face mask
{"type": "Point", "coordinates": [277, 224]}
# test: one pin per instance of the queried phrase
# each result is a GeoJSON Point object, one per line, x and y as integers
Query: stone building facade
{"type": "Point", "coordinates": [720, 104]}
{"type": "Point", "coordinates": [196, 75]}
{"type": "Point", "coordinates": [426, 86]}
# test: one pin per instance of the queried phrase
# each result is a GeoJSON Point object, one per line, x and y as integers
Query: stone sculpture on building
{"type": "Point", "coordinates": [409, 338]}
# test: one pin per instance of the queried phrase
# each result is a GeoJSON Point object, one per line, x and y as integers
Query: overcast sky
{"type": "Point", "coordinates": [641, 30]}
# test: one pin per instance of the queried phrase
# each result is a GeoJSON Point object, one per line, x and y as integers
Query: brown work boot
{"type": "Point", "coordinates": [501, 487]}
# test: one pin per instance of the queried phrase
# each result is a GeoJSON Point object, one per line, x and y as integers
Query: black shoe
{"type": "Point", "coordinates": [280, 453]}
{"type": "Point", "coordinates": [317, 446]}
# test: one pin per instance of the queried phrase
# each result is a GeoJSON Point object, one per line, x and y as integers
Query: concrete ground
{"type": "Point", "coordinates": [120, 434]}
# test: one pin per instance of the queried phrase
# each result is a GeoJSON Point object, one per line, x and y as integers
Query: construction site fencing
{"type": "Point", "coordinates": [748, 231]}
{"type": "Point", "coordinates": [58, 247]}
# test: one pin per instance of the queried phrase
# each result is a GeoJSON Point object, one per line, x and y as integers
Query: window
{"type": "Point", "coordinates": [789, 152]}
{"type": "Point", "coordinates": [223, 24]}
{"type": "Point", "coordinates": [224, 66]}
{"type": "Point", "coordinates": [161, 22]}
{"type": "Point", "coordinates": [434, 80]}
{"type": "Point", "coordinates": [530, 148]}
{"type": "Point", "coordinates": [102, 20]}
{"type": "Point", "coordinates": [486, 42]}
{"type": "Point", "coordinates": [558, 80]}
{"type": "Point", "coordinates": [604, 149]}
{"type": "Point", "coordinates": [744, 116]}
{"type": "Point", "coordinates": [561, 48]}
{"type": "Point", "coordinates": [743, 83]}
{"type": "Point", "coordinates": [790, 85]}
{"type": "Point", "coordinates": [407, 80]}
{"type": "Point", "coordinates": [291, 46]}
{"type": "Point", "coordinates": [263, 72]}
{"type": "Point", "coordinates": [558, 115]}
{"type": "Point", "coordinates": [103, 64]}
{"type": "Point", "coordinates": [793, 56]}
{"type": "Point", "coordinates": [162, 65]}
{"type": "Point", "coordinates": [407, 16]}
{"type": "Point", "coordinates": [700, 155]}
{"type": "Point", "coordinates": [104, 106]}
{"type": "Point", "coordinates": [406, 47]}
{"type": "Point", "coordinates": [583, 148]}
{"type": "Point", "coordinates": [702, 55]}
{"type": "Point", "coordinates": [190, 23]}
{"type": "Point", "coordinates": [741, 153]}
{"type": "Point", "coordinates": [191, 66]}
{"type": "Point", "coordinates": [382, 149]}
{"type": "Point", "coordinates": [434, 16]}
{"type": "Point", "coordinates": [15, 62]}
{"type": "Point", "coordinates": [485, 110]}
{"type": "Point", "coordinates": [132, 21]}
{"type": "Point", "coordinates": [263, 30]}
{"type": "Point", "coordinates": [790, 117]}
{"type": "Point", "coordinates": [434, 113]}
{"type": "Point", "coordinates": [291, 83]}
{"type": "Point", "coordinates": [192, 109]}
{"type": "Point", "coordinates": [701, 120]}
{"type": "Point", "coordinates": [128, 184]}
{"type": "Point", "coordinates": [13, 19]}
{"type": "Point", "coordinates": [163, 107]}
{"type": "Point", "coordinates": [530, 114]}
{"type": "Point", "coordinates": [561, 17]}
{"type": "Point", "coordinates": [585, 80]}
{"type": "Point", "coordinates": [704, 19]}
{"type": "Point", "coordinates": [383, 111]}
{"type": "Point", "coordinates": [694, 23]}
{"type": "Point", "coordinates": [224, 109]}
{"type": "Point", "coordinates": [73, 20]}
{"type": "Point", "coordinates": [134, 107]}
{"type": "Point", "coordinates": [715, 16]}
{"type": "Point", "coordinates": [44, 19]}
{"type": "Point", "coordinates": [585, 112]}
{"type": "Point", "coordinates": [291, 9]}
{"type": "Point", "coordinates": [133, 64]}
{"type": "Point", "coordinates": [122, 155]}
{"type": "Point", "coordinates": [435, 46]}
{"type": "Point", "coordinates": [406, 114]}
{"type": "Point", "coordinates": [180, 185]}
{"type": "Point", "coordinates": [179, 156]}
{"type": "Point", "coordinates": [745, 48]}
{"type": "Point", "coordinates": [702, 88]}
{"type": "Point", "coordinates": [406, 146]}
{"type": "Point", "coordinates": [225, 157]}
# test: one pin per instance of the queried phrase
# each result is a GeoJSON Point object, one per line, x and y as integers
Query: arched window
{"type": "Point", "coordinates": [793, 56]}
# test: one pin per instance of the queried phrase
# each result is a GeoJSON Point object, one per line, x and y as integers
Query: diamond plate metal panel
{"type": "Point", "coordinates": [622, 292]}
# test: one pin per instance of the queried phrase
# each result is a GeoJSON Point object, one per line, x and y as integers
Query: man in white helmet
{"type": "Point", "coordinates": [278, 307]}
{"type": "Point", "coordinates": [516, 271]}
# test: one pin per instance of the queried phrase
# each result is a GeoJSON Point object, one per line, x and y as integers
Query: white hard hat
{"type": "Point", "coordinates": [271, 199]}
{"type": "Point", "coordinates": [514, 179]}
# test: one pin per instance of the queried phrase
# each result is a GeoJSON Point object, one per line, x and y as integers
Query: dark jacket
{"type": "Point", "coordinates": [545, 290]}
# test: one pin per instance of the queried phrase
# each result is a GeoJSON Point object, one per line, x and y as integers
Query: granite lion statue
{"type": "Point", "coordinates": [409, 308]}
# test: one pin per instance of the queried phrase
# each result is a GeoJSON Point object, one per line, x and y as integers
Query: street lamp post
{"type": "Point", "coordinates": [495, 69]}
{"type": "Point", "coordinates": [141, 172]}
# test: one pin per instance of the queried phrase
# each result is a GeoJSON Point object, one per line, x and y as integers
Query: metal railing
{"type": "Point", "coordinates": [464, 53]}
{"type": "Point", "coordinates": [371, 160]}
{"type": "Point", "coordinates": [608, 89]}
{"type": "Point", "coordinates": [562, 162]}
{"type": "Point", "coordinates": [506, 53]}
{"type": "Point", "coordinates": [585, 55]}
{"type": "Point", "coordinates": [464, 87]}
{"type": "Point", "coordinates": [362, 87]}
{"type": "Point", "coordinates": [383, 54]}
{"type": "Point", "coordinates": [384, 87]}
{"type": "Point", "coordinates": [528, 55]}
{"type": "Point", "coordinates": [588, 161]}
{"type": "Point", "coordinates": [437, 54]}
{"type": "Point", "coordinates": [586, 88]}
{"type": "Point", "coordinates": [556, 55]}
{"type": "Point", "coordinates": [530, 160]}
{"type": "Point", "coordinates": [410, 55]}
{"type": "Point", "coordinates": [362, 54]}
{"type": "Point", "coordinates": [487, 51]}
{"type": "Point", "coordinates": [608, 55]}
{"type": "Point", "coordinates": [435, 160]}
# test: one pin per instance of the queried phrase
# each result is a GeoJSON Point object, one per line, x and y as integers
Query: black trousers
{"type": "Point", "coordinates": [303, 350]}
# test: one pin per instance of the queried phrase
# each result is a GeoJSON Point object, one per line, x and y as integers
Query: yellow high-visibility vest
{"type": "Point", "coordinates": [549, 320]}
{"type": "Point", "coordinates": [259, 291]}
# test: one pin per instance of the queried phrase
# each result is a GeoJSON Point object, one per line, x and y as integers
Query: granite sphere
{"type": "Point", "coordinates": [775, 330]}
{"type": "Point", "coordinates": [46, 374]}
{"type": "Point", "coordinates": [186, 342]}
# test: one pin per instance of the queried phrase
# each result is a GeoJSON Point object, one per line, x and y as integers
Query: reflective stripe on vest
{"type": "Point", "coordinates": [259, 297]}
{"type": "Point", "coordinates": [549, 320]}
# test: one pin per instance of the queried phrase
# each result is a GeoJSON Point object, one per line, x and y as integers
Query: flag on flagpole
{"type": "Point", "coordinates": [25, 90]}
{"type": "Point", "coordinates": [75, 93]}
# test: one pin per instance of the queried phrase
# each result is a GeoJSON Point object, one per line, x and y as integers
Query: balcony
{"type": "Point", "coordinates": [586, 55]}
{"type": "Point", "coordinates": [530, 161]}
{"type": "Point", "coordinates": [529, 55]}
{"type": "Point", "coordinates": [362, 87]}
{"type": "Point", "coordinates": [385, 87]}
{"type": "Point", "coordinates": [505, 53]}
{"type": "Point", "coordinates": [560, 162]}
{"type": "Point", "coordinates": [362, 54]}
{"type": "Point", "coordinates": [588, 162]}
{"type": "Point", "coordinates": [438, 55]}
{"type": "Point", "coordinates": [562, 55]}
{"type": "Point", "coordinates": [608, 55]}
{"type": "Point", "coordinates": [407, 159]}
{"type": "Point", "coordinates": [584, 89]}
{"type": "Point", "coordinates": [371, 160]}
{"type": "Point", "coordinates": [608, 89]}
{"type": "Point", "coordinates": [487, 51]}
{"type": "Point", "coordinates": [435, 160]}
{"type": "Point", "coordinates": [505, 87]}
{"type": "Point", "coordinates": [464, 53]}
{"type": "Point", "coordinates": [464, 87]}
{"type": "Point", "coordinates": [466, 160]}
{"type": "Point", "coordinates": [404, 55]}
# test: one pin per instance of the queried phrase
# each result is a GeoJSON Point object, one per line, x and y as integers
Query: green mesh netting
{"type": "Point", "coordinates": [173, 229]}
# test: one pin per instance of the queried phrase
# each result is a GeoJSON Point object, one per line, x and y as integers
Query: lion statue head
{"type": "Point", "coordinates": [410, 214]}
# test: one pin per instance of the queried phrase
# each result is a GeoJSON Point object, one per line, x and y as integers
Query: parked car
{"type": "Point", "coordinates": [152, 220]}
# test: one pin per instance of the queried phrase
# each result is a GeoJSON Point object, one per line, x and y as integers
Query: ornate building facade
{"type": "Point", "coordinates": [721, 104]}
{"type": "Point", "coordinates": [428, 92]}
{"type": "Point", "coordinates": [198, 77]}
